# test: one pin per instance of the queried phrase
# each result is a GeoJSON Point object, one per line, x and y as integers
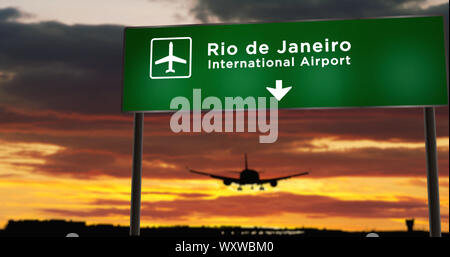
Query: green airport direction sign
{"type": "Point", "coordinates": [382, 62]}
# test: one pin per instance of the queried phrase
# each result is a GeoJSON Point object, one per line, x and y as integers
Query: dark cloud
{"type": "Point", "coordinates": [184, 195]}
{"type": "Point", "coordinates": [79, 163]}
{"type": "Point", "coordinates": [59, 122]}
{"type": "Point", "coordinates": [11, 14]}
{"type": "Point", "coordinates": [109, 139]}
{"type": "Point", "coordinates": [86, 214]}
{"type": "Point", "coordinates": [404, 124]}
{"type": "Point", "coordinates": [76, 68]}
{"type": "Point", "coordinates": [265, 204]}
{"type": "Point", "coordinates": [268, 10]}
{"type": "Point", "coordinates": [61, 67]}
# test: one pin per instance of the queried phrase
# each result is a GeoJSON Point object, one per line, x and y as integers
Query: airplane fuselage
{"type": "Point", "coordinates": [170, 63]}
{"type": "Point", "coordinates": [248, 176]}
{"type": "Point", "coordinates": [170, 59]}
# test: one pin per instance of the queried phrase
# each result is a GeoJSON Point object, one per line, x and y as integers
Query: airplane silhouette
{"type": "Point", "coordinates": [170, 59]}
{"type": "Point", "coordinates": [248, 177]}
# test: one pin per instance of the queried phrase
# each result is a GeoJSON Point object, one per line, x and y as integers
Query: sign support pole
{"type": "Point", "coordinates": [136, 179]}
{"type": "Point", "coordinates": [432, 173]}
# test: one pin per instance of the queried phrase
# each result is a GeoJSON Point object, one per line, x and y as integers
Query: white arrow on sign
{"type": "Point", "coordinates": [279, 92]}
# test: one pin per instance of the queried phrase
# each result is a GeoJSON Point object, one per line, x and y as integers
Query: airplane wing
{"type": "Point", "coordinates": [263, 181]}
{"type": "Point", "coordinates": [235, 180]}
{"type": "Point", "coordinates": [162, 60]}
{"type": "Point", "coordinates": [177, 59]}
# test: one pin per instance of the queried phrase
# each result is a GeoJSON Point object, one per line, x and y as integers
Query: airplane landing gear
{"type": "Point", "coordinates": [239, 188]}
{"type": "Point", "coordinates": [261, 188]}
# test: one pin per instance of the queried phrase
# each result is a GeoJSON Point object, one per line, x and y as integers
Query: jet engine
{"type": "Point", "coordinates": [273, 183]}
{"type": "Point", "coordinates": [227, 182]}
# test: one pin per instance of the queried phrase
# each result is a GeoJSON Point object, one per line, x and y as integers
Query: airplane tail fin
{"type": "Point", "coordinates": [246, 164]}
{"type": "Point", "coordinates": [171, 71]}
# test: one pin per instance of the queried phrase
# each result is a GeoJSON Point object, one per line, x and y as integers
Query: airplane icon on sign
{"type": "Point", "coordinates": [170, 59]}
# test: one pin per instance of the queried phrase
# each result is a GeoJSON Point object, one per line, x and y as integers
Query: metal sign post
{"type": "Point", "coordinates": [432, 173]}
{"type": "Point", "coordinates": [136, 179]}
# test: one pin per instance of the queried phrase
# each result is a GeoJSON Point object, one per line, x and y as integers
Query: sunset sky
{"type": "Point", "coordinates": [65, 146]}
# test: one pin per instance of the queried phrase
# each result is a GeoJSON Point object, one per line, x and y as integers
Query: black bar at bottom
{"type": "Point", "coordinates": [136, 179]}
{"type": "Point", "coordinates": [432, 173]}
